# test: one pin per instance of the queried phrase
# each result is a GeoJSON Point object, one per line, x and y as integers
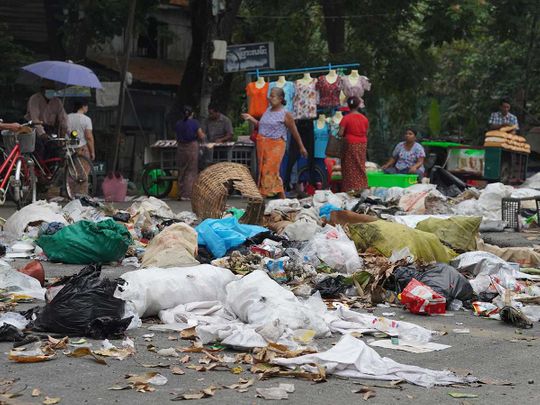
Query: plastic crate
{"type": "Point", "coordinates": [510, 210]}
{"type": "Point", "coordinates": [380, 179]}
{"type": "Point", "coordinates": [27, 141]}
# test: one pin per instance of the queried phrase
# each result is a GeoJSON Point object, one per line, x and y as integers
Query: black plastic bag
{"type": "Point", "coordinates": [441, 277]}
{"type": "Point", "coordinates": [10, 333]}
{"type": "Point", "coordinates": [331, 287]}
{"type": "Point", "coordinates": [85, 306]}
{"type": "Point", "coordinates": [121, 216]}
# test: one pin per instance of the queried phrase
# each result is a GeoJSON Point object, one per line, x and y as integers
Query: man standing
{"type": "Point", "coordinates": [218, 127]}
{"type": "Point", "coordinates": [503, 117]}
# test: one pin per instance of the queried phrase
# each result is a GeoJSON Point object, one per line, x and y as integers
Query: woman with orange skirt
{"type": "Point", "coordinates": [272, 141]}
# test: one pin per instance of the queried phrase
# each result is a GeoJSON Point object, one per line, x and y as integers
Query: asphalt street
{"type": "Point", "coordinates": [491, 350]}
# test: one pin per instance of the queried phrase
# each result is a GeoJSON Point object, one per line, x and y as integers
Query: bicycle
{"type": "Point", "coordinates": [17, 172]}
{"type": "Point", "coordinates": [75, 168]}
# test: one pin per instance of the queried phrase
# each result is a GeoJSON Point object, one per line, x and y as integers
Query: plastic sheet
{"type": "Point", "coordinates": [351, 357]}
{"type": "Point", "coordinates": [38, 212]}
{"type": "Point", "coordinates": [15, 282]}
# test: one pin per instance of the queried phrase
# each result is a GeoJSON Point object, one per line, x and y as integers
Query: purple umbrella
{"type": "Point", "coordinates": [67, 73]}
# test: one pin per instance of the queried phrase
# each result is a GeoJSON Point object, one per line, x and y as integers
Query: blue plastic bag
{"type": "Point", "coordinates": [219, 235]}
{"type": "Point", "coordinates": [326, 210]}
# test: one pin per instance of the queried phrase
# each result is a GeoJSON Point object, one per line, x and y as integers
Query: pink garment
{"type": "Point", "coordinates": [115, 189]}
{"type": "Point", "coordinates": [328, 92]}
{"type": "Point", "coordinates": [357, 89]}
{"type": "Point", "coordinates": [50, 112]}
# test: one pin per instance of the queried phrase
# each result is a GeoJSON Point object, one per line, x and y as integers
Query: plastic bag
{"type": "Point", "coordinates": [420, 299]}
{"type": "Point", "coordinates": [441, 277]}
{"type": "Point", "coordinates": [219, 235]}
{"type": "Point", "coordinates": [175, 246]}
{"type": "Point", "coordinates": [87, 242]}
{"type": "Point", "coordinates": [259, 301]}
{"type": "Point", "coordinates": [16, 282]}
{"type": "Point", "coordinates": [85, 306]}
{"type": "Point", "coordinates": [332, 246]}
{"type": "Point", "coordinates": [331, 287]}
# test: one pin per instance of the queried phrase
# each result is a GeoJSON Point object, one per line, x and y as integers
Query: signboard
{"type": "Point", "coordinates": [250, 57]}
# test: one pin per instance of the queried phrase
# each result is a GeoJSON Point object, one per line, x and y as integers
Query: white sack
{"type": "Point", "coordinates": [259, 301]}
{"type": "Point", "coordinates": [175, 246]}
{"type": "Point", "coordinates": [38, 212]}
{"type": "Point", "coordinates": [150, 290]}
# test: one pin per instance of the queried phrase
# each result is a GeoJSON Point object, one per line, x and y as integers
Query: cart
{"type": "Point", "coordinates": [486, 163]}
{"type": "Point", "coordinates": [160, 169]}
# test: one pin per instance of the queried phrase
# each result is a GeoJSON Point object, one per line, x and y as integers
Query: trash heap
{"type": "Point", "coordinates": [313, 268]}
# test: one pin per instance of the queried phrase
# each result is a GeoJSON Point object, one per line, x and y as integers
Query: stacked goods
{"type": "Point", "coordinates": [503, 138]}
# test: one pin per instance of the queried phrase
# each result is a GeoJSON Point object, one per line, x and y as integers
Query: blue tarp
{"type": "Point", "coordinates": [219, 235]}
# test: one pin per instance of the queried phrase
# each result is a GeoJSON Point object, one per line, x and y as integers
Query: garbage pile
{"type": "Point", "coordinates": [312, 269]}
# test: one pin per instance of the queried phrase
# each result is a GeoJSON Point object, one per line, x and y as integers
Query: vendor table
{"type": "Point", "coordinates": [160, 162]}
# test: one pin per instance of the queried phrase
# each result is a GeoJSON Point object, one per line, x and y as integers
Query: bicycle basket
{"type": "Point", "coordinates": [27, 141]}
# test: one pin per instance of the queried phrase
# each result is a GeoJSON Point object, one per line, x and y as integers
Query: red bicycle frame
{"type": "Point", "coordinates": [11, 160]}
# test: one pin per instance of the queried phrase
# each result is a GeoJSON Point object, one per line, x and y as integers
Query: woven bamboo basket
{"type": "Point", "coordinates": [216, 183]}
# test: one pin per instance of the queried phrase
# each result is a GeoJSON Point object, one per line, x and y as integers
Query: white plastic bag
{"type": "Point", "coordinates": [259, 301]}
{"type": "Point", "coordinates": [150, 290]}
{"type": "Point", "coordinates": [332, 246]}
{"type": "Point", "coordinates": [13, 281]}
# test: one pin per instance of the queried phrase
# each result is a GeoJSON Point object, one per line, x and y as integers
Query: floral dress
{"type": "Point", "coordinates": [305, 100]}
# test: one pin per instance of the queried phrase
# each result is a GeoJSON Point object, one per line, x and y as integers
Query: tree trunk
{"type": "Point", "coordinates": [335, 27]}
{"type": "Point", "coordinates": [54, 15]}
{"type": "Point", "coordinates": [190, 88]}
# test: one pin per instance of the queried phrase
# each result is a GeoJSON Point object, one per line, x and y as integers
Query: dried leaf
{"type": "Point", "coordinates": [177, 370]}
{"type": "Point", "coordinates": [157, 365]}
{"type": "Point", "coordinates": [462, 395]}
{"type": "Point", "coordinates": [151, 348]}
{"type": "Point", "coordinates": [196, 347]}
{"type": "Point", "coordinates": [185, 359]}
{"type": "Point", "coordinates": [237, 370]}
{"type": "Point", "coordinates": [368, 393]}
{"type": "Point", "coordinates": [116, 353]}
{"type": "Point", "coordinates": [242, 385]}
{"type": "Point", "coordinates": [204, 393]}
{"type": "Point", "coordinates": [35, 356]}
{"type": "Point", "coordinates": [36, 392]}
{"type": "Point", "coordinates": [493, 381]}
{"type": "Point", "coordinates": [51, 401]}
{"type": "Point", "coordinates": [188, 334]}
{"type": "Point", "coordinates": [264, 368]}
{"type": "Point", "coordinates": [119, 387]}
{"type": "Point", "coordinates": [172, 337]}
{"type": "Point", "coordinates": [85, 351]}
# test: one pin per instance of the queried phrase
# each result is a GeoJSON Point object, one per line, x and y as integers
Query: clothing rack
{"type": "Point", "coordinates": [316, 69]}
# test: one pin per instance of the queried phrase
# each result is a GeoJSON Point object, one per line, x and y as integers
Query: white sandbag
{"type": "Point", "coordinates": [259, 301]}
{"type": "Point", "coordinates": [153, 207]}
{"type": "Point", "coordinates": [150, 290]}
{"type": "Point", "coordinates": [36, 213]}
{"type": "Point", "coordinates": [174, 246]}
{"type": "Point", "coordinates": [351, 357]}
{"type": "Point", "coordinates": [412, 220]}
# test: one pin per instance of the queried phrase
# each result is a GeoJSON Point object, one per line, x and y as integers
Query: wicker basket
{"type": "Point", "coordinates": [214, 185]}
{"type": "Point", "coordinates": [27, 141]}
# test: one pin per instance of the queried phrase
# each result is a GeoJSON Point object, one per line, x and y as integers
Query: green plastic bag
{"type": "Point", "coordinates": [87, 242]}
{"type": "Point", "coordinates": [387, 237]}
{"type": "Point", "coordinates": [459, 232]}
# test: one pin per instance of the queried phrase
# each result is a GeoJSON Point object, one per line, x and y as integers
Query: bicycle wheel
{"type": "Point", "coordinates": [80, 178]}
{"type": "Point", "coordinates": [154, 182]}
{"type": "Point", "coordinates": [23, 186]}
{"type": "Point", "coordinates": [318, 179]}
